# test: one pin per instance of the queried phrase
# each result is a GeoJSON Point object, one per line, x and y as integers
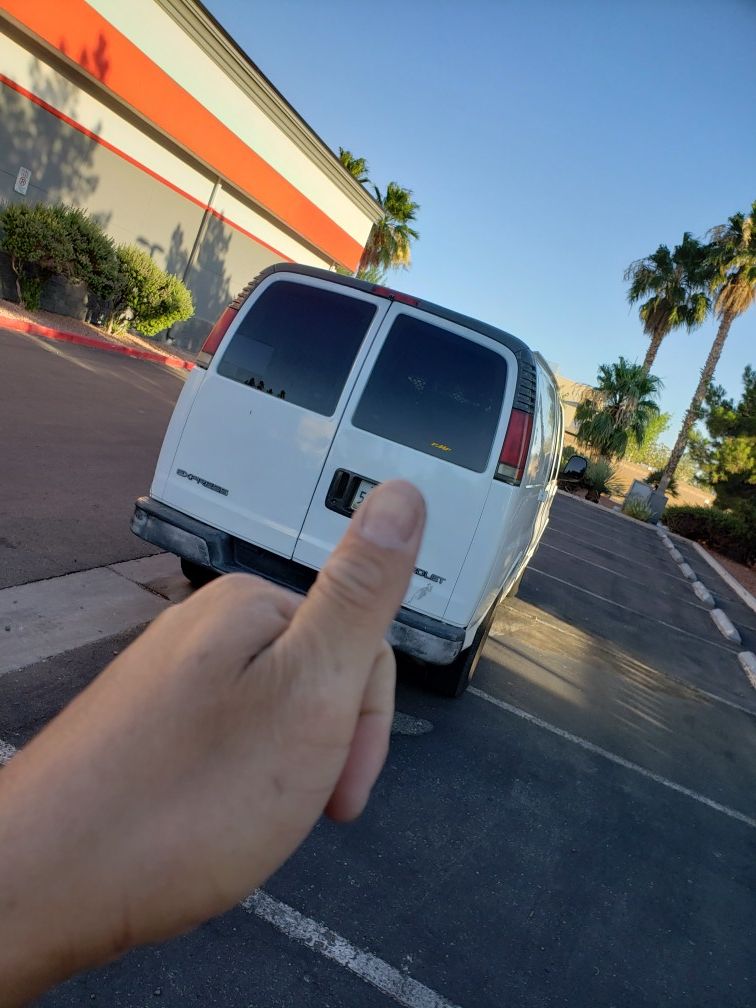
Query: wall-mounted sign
{"type": "Point", "coordinates": [22, 181]}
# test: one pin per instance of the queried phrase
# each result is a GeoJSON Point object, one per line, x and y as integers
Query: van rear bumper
{"type": "Point", "coordinates": [413, 633]}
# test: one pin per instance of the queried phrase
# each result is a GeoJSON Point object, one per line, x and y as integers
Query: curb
{"type": "Point", "coordinates": [747, 660]}
{"type": "Point", "coordinates": [736, 586]}
{"type": "Point", "coordinates": [35, 329]}
{"type": "Point", "coordinates": [703, 593]}
{"type": "Point", "coordinates": [724, 624]}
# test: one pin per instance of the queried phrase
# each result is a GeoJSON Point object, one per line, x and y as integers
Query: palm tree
{"type": "Point", "coordinates": [624, 404]}
{"type": "Point", "coordinates": [731, 260]}
{"type": "Point", "coordinates": [388, 245]}
{"type": "Point", "coordinates": [675, 282]}
{"type": "Point", "coordinates": [356, 166]}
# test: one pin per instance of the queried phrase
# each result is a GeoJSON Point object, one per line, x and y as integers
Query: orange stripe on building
{"type": "Point", "coordinates": [137, 164]}
{"type": "Point", "coordinates": [82, 35]}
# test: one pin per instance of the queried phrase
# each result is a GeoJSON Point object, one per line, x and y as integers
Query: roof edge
{"type": "Point", "coordinates": [197, 22]}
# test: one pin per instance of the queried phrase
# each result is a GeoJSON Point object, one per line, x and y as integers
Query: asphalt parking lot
{"type": "Point", "coordinates": [578, 829]}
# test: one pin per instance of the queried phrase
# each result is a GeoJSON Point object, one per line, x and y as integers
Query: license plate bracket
{"type": "Point", "coordinates": [347, 491]}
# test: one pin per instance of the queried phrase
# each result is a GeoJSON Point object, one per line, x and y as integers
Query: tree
{"type": "Point", "coordinates": [622, 408]}
{"type": "Point", "coordinates": [356, 166]}
{"type": "Point", "coordinates": [728, 455]}
{"type": "Point", "coordinates": [731, 266]}
{"type": "Point", "coordinates": [388, 245]}
{"type": "Point", "coordinates": [675, 280]}
{"type": "Point", "coordinates": [649, 451]}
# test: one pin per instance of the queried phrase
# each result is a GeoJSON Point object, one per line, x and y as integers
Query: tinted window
{"type": "Point", "coordinates": [436, 392]}
{"type": "Point", "coordinates": [298, 343]}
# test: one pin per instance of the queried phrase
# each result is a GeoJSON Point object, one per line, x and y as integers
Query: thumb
{"type": "Point", "coordinates": [360, 588]}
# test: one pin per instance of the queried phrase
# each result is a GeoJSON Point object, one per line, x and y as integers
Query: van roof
{"type": "Point", "coordinates": [525, 390]}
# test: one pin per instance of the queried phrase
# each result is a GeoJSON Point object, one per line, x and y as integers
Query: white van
{"type": "Point", "coordinates": [311, 389]}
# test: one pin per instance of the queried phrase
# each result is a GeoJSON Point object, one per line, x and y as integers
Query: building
{"type": "Point", "coordinates": [571, 393]}
{"type": "Point", "coordinates": [148, 115]}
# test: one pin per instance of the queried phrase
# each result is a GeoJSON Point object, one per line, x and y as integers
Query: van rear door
{"type": "Point", "coordinates": [263, 419]}
{"type": "Point", "coordinates": [429, 406]}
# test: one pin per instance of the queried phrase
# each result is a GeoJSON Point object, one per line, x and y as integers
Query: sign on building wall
{"type": "Point", "coordinates": [22, 181]}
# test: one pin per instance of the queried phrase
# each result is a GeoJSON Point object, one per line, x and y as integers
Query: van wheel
{"type": "Point", "coordinates": [452, 680]}
{"type": "Point", "coordinates": [196, 574]}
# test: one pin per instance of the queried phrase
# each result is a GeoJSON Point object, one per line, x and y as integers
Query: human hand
{"type": "Point", "coordinates": [200, 759]}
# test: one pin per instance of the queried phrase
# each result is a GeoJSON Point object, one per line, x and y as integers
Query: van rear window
{"type": "Point", "coordinates": [436, 392]}
{"type": "Point", "coordinates": [298, 343]}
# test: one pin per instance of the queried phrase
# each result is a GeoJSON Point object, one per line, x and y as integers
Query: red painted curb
{"type": "Point", "coordinates": [34, 329]}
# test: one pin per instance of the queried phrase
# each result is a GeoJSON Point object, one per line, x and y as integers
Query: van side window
{"type": "Point", "coordinates": [436, 392]}
{"type": "Point", "coordinates": [298, 343]}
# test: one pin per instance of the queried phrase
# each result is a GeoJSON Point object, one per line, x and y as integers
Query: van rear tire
{"type": "Point", "coordinates": [452, 680]}
{"type": "Point", "coordinates": [196, 574]}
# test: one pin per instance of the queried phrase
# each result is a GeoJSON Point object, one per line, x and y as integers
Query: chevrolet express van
{"type": "Point", "coordinates": [313, 388]}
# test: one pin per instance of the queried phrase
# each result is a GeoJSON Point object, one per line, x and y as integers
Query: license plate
{"type": "Point", "coordinates": [363, 489]}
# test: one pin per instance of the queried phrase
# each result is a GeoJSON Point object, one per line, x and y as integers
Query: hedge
{"type": "Point", "coordinates": [731, 533]}
{"type": "Point", "coordinates": [126, 288]}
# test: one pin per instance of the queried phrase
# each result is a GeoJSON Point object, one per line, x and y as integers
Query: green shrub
{"type": "Point", "coordinates": [37, 241]}
{"type": "Point", "coordinates": [636, 508]}
{"type": "Point", "coordinates": [148, 299]}
{"type": "Point", "coordinates": [731, 533]}
{"type": "Point", "coordinates": [94, 253]}
{"type": "Point", "coordinates": [599, 479]}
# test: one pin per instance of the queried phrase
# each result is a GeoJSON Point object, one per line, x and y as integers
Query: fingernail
{"type": "Point", "coordinates": [391, 515]}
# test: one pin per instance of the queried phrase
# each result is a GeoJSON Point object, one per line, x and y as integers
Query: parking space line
{"type": "Point", "coordinates": [610, 570]}
{"type": "Point", "coordinates": [402, 988]}
{"type": "Point", "coordinates": [635, 612]}
{"type": "Point", "coordinates": [556, 627]}
{"type": "Point", "coordinates": [367, 967]}
{"type": "Point", "coordinates": [612, 757]}
{"type": "Point", "coordinates": [620, 556]}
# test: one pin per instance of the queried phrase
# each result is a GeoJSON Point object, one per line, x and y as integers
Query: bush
{"type": "Point", "coordinates": [635, 508]}
{"type": "Point", "coordinates": [148, 299]}
{"type": "Point", "coordinates": [38, 244]}
{"type": "Point", "coordinates": [731, 533]}
{"type": "Point", "coordinates": [599, 479]}
{"type": "Point", "coordinates": [94, 253]}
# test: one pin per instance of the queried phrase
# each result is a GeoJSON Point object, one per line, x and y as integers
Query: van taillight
{"type": "Point", "coordinates": [514, 452]}
{"type": "Point", "coordinates": [215, 337]}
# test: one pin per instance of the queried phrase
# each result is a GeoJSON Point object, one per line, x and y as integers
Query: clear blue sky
{"type": "Point", "coordinates": [549, 143]}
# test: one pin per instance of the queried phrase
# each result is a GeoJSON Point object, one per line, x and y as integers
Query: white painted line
{"type": "Point", "coordinates": [613, 757]}
{"type": "Point", "coordinates": [687, 572]}
{"type": "Point", "coordinates": [556, 627]}
{"type": "Point", "coordinates": [49, 617]}
{"type": "Point", "coordinates": [367, 967]}
{"type": "Point", "coordinates": [747, 660]}
{"type": "Point", "coordinates": [635, 612]}
{"type": "Point", "coordinates": [293, 924]}
{"type": "Point", "coordinates": [736, 586]}
{"type": "Point", "coordinates": [610, 570]}
{"type": "Point", "coordinates": [703, 593]}
{"type": "Point", "coordinates": [653, 557]}
{"type": "Point", "coordinates": [724, 624]}
{"type": "Point", "coordinates": [676, 555]}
